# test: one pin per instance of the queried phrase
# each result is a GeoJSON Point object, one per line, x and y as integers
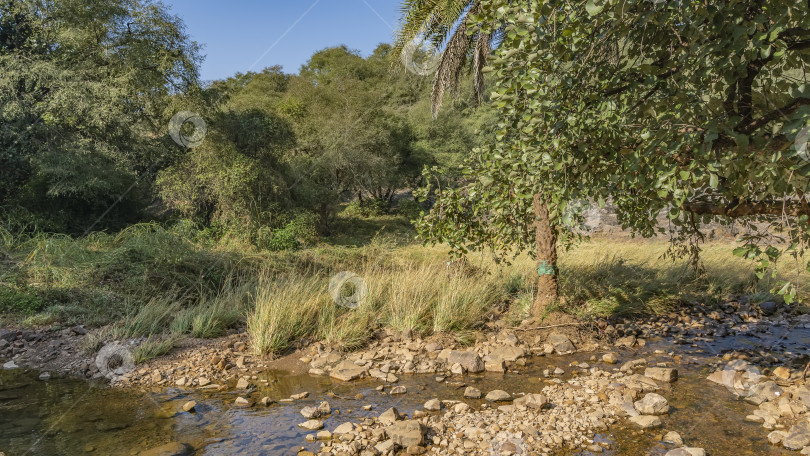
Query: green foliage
{"type": "Point", "coordinates": [86, 90]}
{"type": "Point", "coordinates": [410, 209]}
{"type": "Point", "coordinates": [689, 108]}
{"type": "Point", "coordinates": [298, 232]}
{"type": "Point", "coordinates": [365, 209]}
{"type": "Point", "coordinates": [15, 301]}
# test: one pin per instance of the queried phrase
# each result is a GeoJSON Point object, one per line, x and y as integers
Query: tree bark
{"type": "Point", "coordinates": [546, 241]}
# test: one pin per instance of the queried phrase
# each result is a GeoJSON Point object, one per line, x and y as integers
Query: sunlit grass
{"type": "Point", "coordinates": [150, 282]}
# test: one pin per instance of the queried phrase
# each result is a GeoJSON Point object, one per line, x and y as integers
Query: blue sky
{"type": "Point", "coordinates": [242, 35]}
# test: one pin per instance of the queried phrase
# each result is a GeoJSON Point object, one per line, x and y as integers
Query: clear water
{"type": "Point", "coordinates": [68, 417]}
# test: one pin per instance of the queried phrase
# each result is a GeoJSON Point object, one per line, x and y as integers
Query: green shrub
{"type": "Point", "coordinates": [298, 232]}
{"type": "Point", "coordinates": [20, 302]}
{"type": "Point", "coordinates": [410, 209]}
{"type": "Point", "coordinates": [366, 209]}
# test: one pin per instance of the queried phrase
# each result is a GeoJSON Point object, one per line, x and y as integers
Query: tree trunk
{"type": "Point", "coordinates": [546, 240]}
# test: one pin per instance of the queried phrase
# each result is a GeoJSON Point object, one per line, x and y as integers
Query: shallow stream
{"type": "Point", "coordinates": [65, 416]}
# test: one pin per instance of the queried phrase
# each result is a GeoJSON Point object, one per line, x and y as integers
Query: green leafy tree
{"type": "Point", "coordinates": [85, 93]}
{"type": "Point", "coordinates": [696, 109]}
{"type": "Point", "coordinates": [455, 22]}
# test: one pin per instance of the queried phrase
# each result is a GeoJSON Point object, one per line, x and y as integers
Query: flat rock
{"type": "Point", "coordinates": [782, 373]}
{"type": "Point", "coordinates": [344, 428]}
{"type": "Point", "coordinates": [472, 393]}
{"type": "Point", "coordinates": [312, 425]}
{"type": "Point", "coordinates": [673, 438]}
{"type": "Point", "coordinates": [798, 437]}
{"type": "Point", "coordinates": [389, 416]}
{"type": "Point", "coordinates": [561, 343]}
{"type": "Point", "coordinates": [401, 389]}
{"type": "Point", "coordinates": [641, 383]}
{"type": "Point", "coordinates": [469, 360]}
{"type": "Point", "coordinates": [189, 406]}
{"type": "Point", "coordinates": [347, 371]}
{"type": "Point", "coordinates": [495, 366]}
{"type": "Point", "coordinates": [652, 404]}
{"type": "Point", "coordinates": [433, 405]}
{"type": "Point", "coordinates": [532, 401]}
{"type": "Point", "coordinates": [407, 433]}
{"type": "Point", "coordinates": [498, 396]}
{"type": "Point", "coordinates": [646, 421]}
{"type": "Point", "coordinates": [626, 342]}
{"type": "Point", "coordinates": [610, 358]}
{"type": "Point", "coordinates": [662, 374]}
{"type": "Point", "coordinates": [385, 447]}
{"type": "Point", "coordinates": [776, 437]}
{"type": "Point", "coordinates": [506, 353]}
{"type": "Point", "coordinates": [633, 364]}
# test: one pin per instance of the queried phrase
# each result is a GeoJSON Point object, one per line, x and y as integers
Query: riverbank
{"type": "Point", "coordinates": [621, 386]}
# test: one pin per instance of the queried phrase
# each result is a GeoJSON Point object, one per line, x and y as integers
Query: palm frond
{"type": "Point", "coordinates": [482, 50]}
{"type": "Point", "coordinates": [452, 62]}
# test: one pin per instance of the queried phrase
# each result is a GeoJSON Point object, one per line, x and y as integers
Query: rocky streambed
{"type": "Point", "coordinates": [724, 381]}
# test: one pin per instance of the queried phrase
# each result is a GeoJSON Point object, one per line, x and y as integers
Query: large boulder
{"type": "Point", "coordinates": [389, 416]}
{"type": "Point", "coordinates": [764, 392]}
{"type": "Point", "coordinates": [498, 396]}
{"type": "Point", "coordinates": [640, 382]}
{"type": "Point", "coordinates": [469, 360]}
{"type": "Point", "coordinates": [472, 393]}
{"type": "Point", "coordinates": [652, 404]}
{"type": "Point", "coordinates": [347, 371]}
{"type": "Point", "coordinates": [505, 353]}
{"type": "Point", "coordinates": [407, 433]}
{"type": "Point", "coordinates": [798, 437]}
{"type": "Point", "coordinates": [561, 343]}
{"type": "Point", "coordinates": [662, 374]}
{"type": "Point", "coordinates": [532, 401]}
